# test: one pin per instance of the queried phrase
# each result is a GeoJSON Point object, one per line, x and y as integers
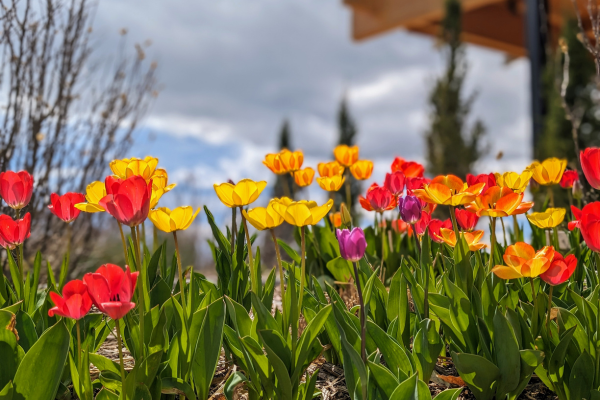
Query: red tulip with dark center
{"type": "Point", "coordinates": [111, 289]}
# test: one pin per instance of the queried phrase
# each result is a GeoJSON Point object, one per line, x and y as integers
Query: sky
{"type": "Point", "coordinates": [232, 70]}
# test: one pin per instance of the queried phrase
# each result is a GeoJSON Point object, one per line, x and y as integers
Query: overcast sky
{"type": "Point", "coordinates": [231, 70]}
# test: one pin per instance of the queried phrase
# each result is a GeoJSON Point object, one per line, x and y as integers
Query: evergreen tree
{"type": "Point", "coordinates": [450, 150]}
{"type": "Point", "coordinates": [347, 135]}
{"type": "Point", "coordinates": [283, 184]}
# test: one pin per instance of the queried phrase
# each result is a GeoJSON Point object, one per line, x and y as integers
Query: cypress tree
{"type": "Point", "coordinates": [284, 183]}
{"type": "Point", "coordinates": [347, 131]}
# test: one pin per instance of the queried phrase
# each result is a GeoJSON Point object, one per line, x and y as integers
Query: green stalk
{"type": "Point", "coordinates": [454, 223]}
{"type": "Point", "coordinates": [551, 196]}
{"type": "Point", "coordinates": [141, 283]}
{"type": "Point", "coordinates": [549, 311]}
{"type": "Point", "coordinates": [381, 233]}
{"type": "Point", "coordinates": [79, 355]}
{"type": "Point", "coordinates": [281, 282]}
{"type": "Point", "coordinates": [303, 273]}
{"type": "Point", "coordinates": [348, 190]}
{"type": "Point", "coordinates": [492, 245]}
{"type": "Point", "coordinates": [503, 231]}
{"type": "Point", "coordinates": [123, 241]}
{"type": "Point", "coordinates": [253, 278]}
{"type": "Point", "coordinates": [233, 228]}
{"type": "Point", "coordinates": [516, 228]}
{"type": "Point", "coordinates": [181, 281]}
{"type": "Point", "coordinates": [363, 317]}
{"type": "Point", "coordinates": [418, 244]}
{"type": "Point", "coordinates": [533, 294]}
{"type": "Point", "coordinates": [154, 238]}
{"type": "Point", "coordinates": [555, 238]}
{"type": "Point", "coordinates": [120, 347]}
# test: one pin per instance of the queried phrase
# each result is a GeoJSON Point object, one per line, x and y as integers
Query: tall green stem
{"type": "Point", "coordinates": [381, 234]}
{"type": "Point", "coordinates": [181, 281]}
{"type": "Point", "coordinates": [549, 311]}
{"type": "Point", "coordinates": [281, 282]}
{"type": "Point", "coordinates": [454, 223]}
{"type": "Point", "coordinates": [253, 277]}
{"type": "Point", "coordinates": [417, 243]}
{"type": "Point", "coordinates": [363, 317]}
{"type": "Point", "coordinates": [303, 269]}
{"type": "Point", "coordinates": [120, 347]}
{"type": "Point", "coordinates": [348, 190]}
{"type": "Point", "coordinates": [233, 228]}
{"type": "Point", "coordinates": [140, 283]}
{"type": "Point", "coordinates": [551, 196]}
{"type": "Point", "coordinates": [79, 355]}
{"type": "Point", "coordinates": [555, 238]}
{"type": "Point", "coordinates": [533, 295]}
{"type": "Point", "coordinates": [503, 231]}
{"type": "Point", "coordinates": [154, 238]}
{"type": "Point", "coordinates": [516, 228]}
{"type": "Point", "coordinates": [123, 241]}
{"type": "Point", "coordinates": [492, 244]}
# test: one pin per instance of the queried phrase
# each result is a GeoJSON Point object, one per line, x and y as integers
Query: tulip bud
{"type": "Point", "coordinates": [577, 190]}
{"type": "Point", "coordinates": [346, 217]}
{"type": "Point", "coordinates": [410, 209]}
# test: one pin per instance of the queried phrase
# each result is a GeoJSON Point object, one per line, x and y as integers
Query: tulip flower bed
{"type": "Point", "coordinates": [429, 296]}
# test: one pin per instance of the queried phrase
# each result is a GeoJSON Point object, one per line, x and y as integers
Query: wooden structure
{"type": "Point", "coordinates": [515, 27]}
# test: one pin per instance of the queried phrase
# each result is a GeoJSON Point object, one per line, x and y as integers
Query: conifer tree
{"type": "Point", "coordinates": [283, 185]}
{"type": "Point", "coordinates": [452, 146]}
{"type": "Point", "coordinates": [347, 131]}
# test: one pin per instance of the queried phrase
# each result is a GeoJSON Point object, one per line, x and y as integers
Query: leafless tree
{"type": "Point", "coordinates": [64, 117]}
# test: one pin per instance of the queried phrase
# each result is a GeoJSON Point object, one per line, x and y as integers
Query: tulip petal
{"type": "Point", "coordinates": [505, 272]}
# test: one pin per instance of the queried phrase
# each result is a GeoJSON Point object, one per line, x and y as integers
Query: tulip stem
{"type": "Point", "coordinates": [253, 277]}
{"type": "Point", "coordinates": [363, 317]}
{"type": "Point", "coordinates": [555, 238]}
{"type": "Point", "coordinates": [549, 311]}
{"type": "Point", "coordinates": [143, 234]}
{"type": "Point", "coordinates": [233, 228]}
{"type": "Point", "coordinates": [382, 234]}
{"type": "Point", "coordinates": [303, 269]}
{"type": "Point", "coordinates": [551, 196]}
{"type": "Point", "coordinates": [503, 231]}
{"type": "Point", "coordinates": [281, 282]}
{"type": "Point", "coordinates": [454, 223]}
{"type": "Point", "coordinates": [120, 347]}
{"type": "Point", "coordinates": [69, 236]}
{"type": "Point", "coordinates": [348, 190]}
{"type": "Point", "coordinates": [21, 271]}
{"type": "Point", "coordinates": [123, 241]}
{"type": "Point", "coordinates": [141, 283]}
{"type": "Point", "coordinates": [516, 228]}
{"type": "Point", "coordinates": [533, 295]}
{"type": "Point", "coordinates": [181, 281]}
{"type": "Point", "coordinates": [154, 237]}
{"type": "Point", "coordinates": [418, 244]}
{"type": "Point", "coordinates": [492, 244]}
{"type": "Point", "coordinates": [79, 355]}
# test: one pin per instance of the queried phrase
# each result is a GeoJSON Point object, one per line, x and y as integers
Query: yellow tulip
{"type": "Point", "coordinates": [548, 172]}
{"type": "Point", "coordinates": [331, 168]}
{"type": "Point", "coordinates": [264, 217]}
{"type": "Point", "coordinates": [550, 218]}
{"type": "Point", "coordinates": [449, 190]}
{"type": "Point", "coordinates": [303, 212]}
{"type": "Point", "coordinates": [472, 238]}
{"type": "Point", "coordinates": [128, 167]}
{"type": "Point", "coordinates": [178, 219]}
{"type": "Point", "coordinates": [362, 169]}
{"type": "Point", "coordinates": [160, 186]}
{"type": "Point", "coordinates": [304, 177]}
{"type": "Point", "coordinates": [514, 181]}
{"type": "Point", "coordinates": [331, 183]}
{"type": "Point", "coordinates": [292, 161]}
{"type": "Point", "coordinates": [273, 162]}
{"type": "Point", "coordinates": [241, 194]}
{"type": "Point", "coordinates": [346, 155]}
{"type": "Point", "coordinates": [524, 262]}
{"type": "Point", "coordinates": [94, 192]}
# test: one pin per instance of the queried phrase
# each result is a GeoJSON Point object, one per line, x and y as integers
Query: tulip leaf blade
{"type": "Point", "coordinates": [43, 364]}
{"type": "Point", "coordinates": [411, 389]}
{"type": "Point", "coordinates": [340, 268]}
{"type": "Point", "coordinates": [478, 373]}
{"type": "Point", "coordinates": [289, 251]}
{"type": "Point", "coordinates": [176, 386]}
{"type": "Point", "coordinates": [508, 358]}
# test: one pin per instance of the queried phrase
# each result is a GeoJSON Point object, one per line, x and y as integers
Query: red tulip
{"type": "Point", "coordinates": [466, 219]}
{"type": "Point", "coordinates": [111, 289]}
{"type": "Point", "coordinates": [433, 229]}
{"type": "Point", "coordinates": [589, 224]}
{"type": "Point", "coordinates": [590, 163]}
{"type": "Point", "coordinates": [560, 270]}
{"type": "Point", "coordinates": [415, 183]}
{"type": "Point", "coordinates": [74, 303]}
{"type": "Point", "coordinates": [378, 199]}
{"type": "Point", "coordinates": [127, 200]}
{"type": "Point", "coordinates": [410, 169]}
{"type": "Point", "coordinates": [569, 178]}
{"type": "Point", "coordinates": [16, 188]}
{"type": "Point", "coordinates": [576, 217]}
{"type": "Point", "coordinates": [488, 179]}
{"type": "Point", "coordinates": [423, 223]}
{"type": "Point", "coordinates": [394, 182]}
{"type": "Point", "coordinates": [401, 227]}
{"type": "Point", "coordinates": [14, 233]}
{"type": "Point", "coordinates": [64, 206]}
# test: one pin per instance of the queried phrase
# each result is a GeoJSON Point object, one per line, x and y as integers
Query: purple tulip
{"type": "Point", "coordinates": [352, 243]}
{"type": "Point", "coordinates": [410, 209]}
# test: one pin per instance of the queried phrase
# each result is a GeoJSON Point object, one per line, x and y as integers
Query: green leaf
{"type": "Point", "coordinates": [340, 268]}
{"type": "Point", "coordinates": [26, 328]}
{"type": "Point", "coordinates": [478, 373]}
{"type": "Point", "coordinates": [385, 380]}
{"type": "Point", "coordinates": [355, 372]}
{"type": "Point", "coordinates": [394, 355]}
{"type": "Point", "coordinates": [232, 382]}
{"type": "Point", "coordinates": [105, 394]}
{"type": "Point", "coordinates": [224, 244]}
{"type": "Point", "coordinates": [177, 386]}
{"type": "Point", "coordinates": [104, 364]}
{"type": "Point", "coordinates": [8, 354]}
{"type": "Point", "coordinates": [289, 251]}
{"type": "Point", "coordinates": [7, 392]}
{"type": "Point", "coordinates": [508, 358]}
{"type": "Point", "coordinates": [308, 338]}
{"type": "Point", "coordinates": [581, 381]}
{"type": "Point", "coordinates": [449, 394]}
{"type": "Point", "coordinates": [284, 384]}
{"type": "Point", "coordinates": [557, 360]}
{"type": "Point", "coordinates": [208, 348]}
{"type": "Point", "coordinates": [427, 346]}
{"type": "Point", "coordinates": [397, 306]}
{"type": "Point", "coordinates": [43, 364]}
{"type": "Point", "coordinates": [412, 389]}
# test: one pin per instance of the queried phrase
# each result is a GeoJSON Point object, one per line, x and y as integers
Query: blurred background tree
{"type": "Point", "coordinates": [284, 185]}
{"type": "Point", "coordinates": [65, 115]}
{"type": "Point", "coordinates": [452, 146]}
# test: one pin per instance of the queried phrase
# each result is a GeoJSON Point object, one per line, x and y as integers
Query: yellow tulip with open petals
{"type": "Point", "coordinates": [548, 172]}
{"type": "Point", "coordinates": [304, 177]}
{"type": "Point", "coordinates": [514, 181]}
{"type": "Point", "coordinates": [160, 186]}
{"type": "Point", "coordinates": [330, 168]}
{"type": "Point", "coordinates": [241, 194]}
{"type": "Point", "coordinates": [548, 219]}
{"type": "Point", "coordinates": [449, 190]}
{"type": "Point", "coordinates": [178, 219]}
{"type": "Point", "coordinates": [302, 213]}
{"type": "Point", "coordinates": [291, 160]}
{"type": "Point", "coordinates": [331, 183]}
{"type": "Point", "coordinates": [499, 202]}
{"type": "Point", "coordinates": [362, 169]}
{"type": "Point", "coordinates": [273, 162]}
{"type": "Point", "coordinates": [522, 261]}
{"type": "Point", "coordinates": [264, 217]}
{"type": "Point", "coordinates": [128, 167]}
{"type": "Point", "coordinates": [346, 155]}
{"type": "Point", "coordinates": [94, 192]}
{"type": "Point", "coordinates": [472, 238]}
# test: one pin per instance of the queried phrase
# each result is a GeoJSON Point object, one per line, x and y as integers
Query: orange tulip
{"type": "Point", "coordinates": [331, 168]}
{"type": "Point", "coordinates": [499, 202]}
{"type": "Point", "coordinates": [304, 177]}
{"type": "Point", "coordinates": [346, 155]}
{"type": "Point", "coordinates": [472, 238]}
{"type": "Point", "coordinates": [292, 161]}
{"type": "Point", "coordinates": [336, 219]}
{"type": "Point", "coordinates": [362, 169]}
{"type": "Point", "coordinates": [523, 261]}
{"type": "Point", "coordinates": [273, 162]}
{"type": "Point", "coordinates": [449, 190]}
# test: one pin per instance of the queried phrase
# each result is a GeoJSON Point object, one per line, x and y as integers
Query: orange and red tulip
{"type": "Point", "coordinates": [522, 261]}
